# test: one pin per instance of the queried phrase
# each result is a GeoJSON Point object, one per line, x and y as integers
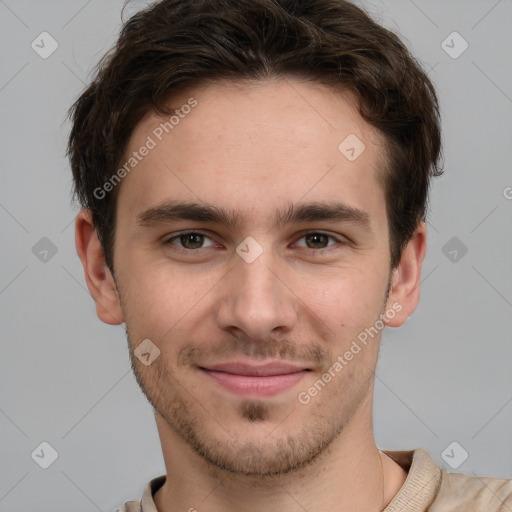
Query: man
{"type": "Point", "coordinates": [254, 179]}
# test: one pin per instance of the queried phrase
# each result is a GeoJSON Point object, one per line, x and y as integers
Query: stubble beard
{"type": "Point", "coordinates": [276, 454]}
{"type": "Point", "coordinates": [289, 453]}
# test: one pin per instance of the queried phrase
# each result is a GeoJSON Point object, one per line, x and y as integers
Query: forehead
{"type": "Point", "coordinates": [256, 145]}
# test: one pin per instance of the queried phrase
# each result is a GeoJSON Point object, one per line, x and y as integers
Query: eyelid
{"type": "Point", "coordinates": [336, 237]}
{"type": "Point", "coordinates": [169, 239]}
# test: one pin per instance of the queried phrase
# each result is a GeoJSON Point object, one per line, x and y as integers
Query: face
{"type": "Point", "coordinates": [253, 254]}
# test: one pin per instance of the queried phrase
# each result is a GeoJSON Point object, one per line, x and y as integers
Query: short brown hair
{"type": "Point", "coordinates": [178, 44]}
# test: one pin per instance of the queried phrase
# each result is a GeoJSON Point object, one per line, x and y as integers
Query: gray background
{"type": "Point", "coordinates": [65, 377]}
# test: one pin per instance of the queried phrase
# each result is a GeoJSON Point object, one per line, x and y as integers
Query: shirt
{"type": "Point", "coordinates": [427, 488]}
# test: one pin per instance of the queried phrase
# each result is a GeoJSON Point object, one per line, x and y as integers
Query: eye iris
{"type": "Point", "coordinates": [315, 238]}
{"type": "Point", "coordinates": [196, 240]}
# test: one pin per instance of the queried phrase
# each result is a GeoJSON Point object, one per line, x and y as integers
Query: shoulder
{"type": "Point", "coordinates": [459, 492]}
{"type": "Point", "coordinates": [130, 506]}
{"type": "Point", "coordinates": [146, 504]}
{"type": "Point", "coordinates": [429, 488]}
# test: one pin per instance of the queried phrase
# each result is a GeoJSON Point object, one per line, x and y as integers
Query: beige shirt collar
{"type": "Point", "coordinates": [416, 494]}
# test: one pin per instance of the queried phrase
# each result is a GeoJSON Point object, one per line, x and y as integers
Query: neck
{"type": "Point", "coordinates": [350, 475]}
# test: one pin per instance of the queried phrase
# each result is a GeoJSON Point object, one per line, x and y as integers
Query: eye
{"type": "Point", "coordinates": [195, 240]}
{"type": "Point", "coordinates": [190, 240]}
{"type": "Point", "coordinates": [317, 240]}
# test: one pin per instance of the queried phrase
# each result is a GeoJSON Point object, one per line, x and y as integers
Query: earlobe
{"type": "Point", "coordinates": [404, 295]}
{"type": "Point", "coordinates": [98, 277]}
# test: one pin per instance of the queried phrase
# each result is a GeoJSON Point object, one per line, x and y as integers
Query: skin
{"type": "Point", "coordinates": [251, 148]}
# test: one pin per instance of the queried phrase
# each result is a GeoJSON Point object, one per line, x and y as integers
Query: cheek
{"type": "Point", "coordinates": [160, 300]}
{"type": "Point", "coordinates": [348, 297]}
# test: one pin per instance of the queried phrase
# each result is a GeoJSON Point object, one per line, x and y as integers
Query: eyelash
{"type": "Point", "coordinates": [303, 234]}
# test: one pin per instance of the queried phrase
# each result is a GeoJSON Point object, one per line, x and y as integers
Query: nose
{"type": "Point", "coordinates": [256, 300]}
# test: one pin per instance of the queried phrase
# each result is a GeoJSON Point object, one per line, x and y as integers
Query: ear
{"type": "Point", "coordinates": [405, 282]}
{"type": "Point", "coordinates": [99, 279]}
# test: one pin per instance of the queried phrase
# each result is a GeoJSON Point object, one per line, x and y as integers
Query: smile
{"type": "Point", "coordinates": [249, 380]}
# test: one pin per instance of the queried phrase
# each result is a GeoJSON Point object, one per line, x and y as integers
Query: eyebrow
{"type": "Point", "coordinates": [289, 214]}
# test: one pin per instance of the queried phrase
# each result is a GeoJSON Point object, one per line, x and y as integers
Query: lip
{"type": "Point", "coordinates": [263, 370]}
{"type": "Point", "coordinates": [251, 380]}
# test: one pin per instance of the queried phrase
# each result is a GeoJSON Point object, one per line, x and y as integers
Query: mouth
{"type": "Point", "coordinates": [252, 380]}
